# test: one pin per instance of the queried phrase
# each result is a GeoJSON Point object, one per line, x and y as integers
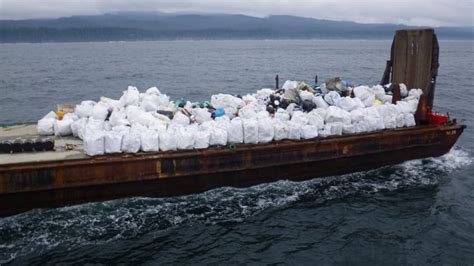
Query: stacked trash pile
{"type": "Point", "coordinates": [150, 122]}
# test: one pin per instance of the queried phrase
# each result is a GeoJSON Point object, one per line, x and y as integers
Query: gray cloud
{"type": "Point", "coordinates": [414, 12]}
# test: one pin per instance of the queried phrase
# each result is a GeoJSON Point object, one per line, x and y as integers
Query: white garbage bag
{"type": "Point", "coordinates": [315, 119]}
{"type": "Point", "coordinates": [410, 120]}
{"type": "Point", "coordinates": [149, 140]}
{"type": "Point", "coordinates": [185, 138]}
{"type": "Point", "coordinates": [78, 127]}
{"type": "Point", "coordinates": [294, 130]}
{"type": "Point", "coordinates": [223, 122]}
{"type": "Point", "coordinates": [348, 103]}
{"type": "Point", "coordinates": [235, 133]}
{"type": "Point", "coordinates": [265, 130]}
{"type": "Point", "coordinates": [290, 85]}
{"type": "Point", "coordinates": [70, 116]}
{"type": "Point", "coordinates": [306, 95]}
{"type": "Point", "coordinates": [300, 118]}
{"type": "Point", "coordinates": [130, 97]}
{"type": "Point", "coordinates": [250, 130]}
{"type": "Point", "coordinates": [218, 137]}
{"type": "Point", "coordinates": [282, 115]}
{"type": "Point", "coordinates": [320, 102]}
{"type": "Point", "coordinates": [113, 142]}
{"type": "Point", "coordinates": [99, 111]}
{"type": "Point", "coordinates": [202, 139]}
{"type": "Point", "coordinates": [263, 115]}
{"type": "Point", "coordinates": [336, 114]}
{"type": "Point", "coordinates": [400, 120]}
{"type": "Point", "coordinates": [84, 109]}
{"type": "Point", "coordinates": [229, 103]}
{"type": "Point", "coordinates": [378, 91]}
{"type": "Point", "coordinates": [168, 141]}
{"type": "Point", "coordinates": [111, 104]}
{"type": "Point", "coordinates": [348, 129]}
{"type": "Point", "coordinates": [153, 91]}
{"type": "Point", "coordinates": [309, 131]}
{"type": "Point", "coordinates": [180, 119]}
{"type": "Point", "coordinates": [131, 142]}
{"type": "Point", "coordinates": [94, 143]}
{"type": "Point", "coordinates": [416, 93]}
{"type": "Point", "coordinates": [358, 115]}
{"type": "Point", "coordinates": [281, 130]}
{"type": "Point", "coordinates": [374, 119]}
{"type": "Point", "coordinates": [202, 115]}
{"type": "Point", "coordinates": [63, 127]}
{"type": "Point", "coordinates": [45, 126]}
{"type": "Point", "coordinates": [321, 112]}
{"type": "Point", "coordinates": [366, 95]}
{"type": "Point", "coordinates": [247, 112]}
{"type": "Point", "coordinates": [332, 97]}
{"type": "Point", "coordinates": [403, 90]}
{"type": "Point", "coordinates": [118, 117]}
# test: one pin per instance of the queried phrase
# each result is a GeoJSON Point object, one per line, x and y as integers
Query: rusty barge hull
{"type": "Point", "coordinates": [25, 186]}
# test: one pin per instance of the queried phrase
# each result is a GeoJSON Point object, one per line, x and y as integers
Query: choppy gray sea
{"type": "Point", "coordinates": [419, 212]}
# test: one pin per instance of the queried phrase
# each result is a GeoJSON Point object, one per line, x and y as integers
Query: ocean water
{"type": "Point", "coordinates": [420, 212]}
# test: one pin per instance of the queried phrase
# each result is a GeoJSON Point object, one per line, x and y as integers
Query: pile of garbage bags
{"type": "Point", "coordinates": [151, 122]}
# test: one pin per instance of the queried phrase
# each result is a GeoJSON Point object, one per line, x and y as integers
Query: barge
{"type": "Point", "coordinates": [67, 176]}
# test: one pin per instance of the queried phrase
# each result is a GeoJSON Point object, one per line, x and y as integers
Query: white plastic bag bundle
{"type": "Point", "coordinates": [70, 116]}
{"type": "Point", "coordinates": [180, 119]}
{"type": "Point", "coordinates": [333, 129]}
{"type": "Point", "coordinates": [118, 117]}
{"type": "Point", "coordinates": [263, 95]}
{"type": "Point", "coordinates": [45, 125]}
{"type": "Point", "coordinates": [321, 112]}
{"type": "Point", "coordinates": [361, 127]}
{"type": "Point", "coordinates": [247, 112]}
{"type": "Point", "coordinates": [235, 133]}
{"type": "Point", "coordinates": [202, 139]}
{"type": "Point", "coordinates": [133, 114]}
{"type": "Point", "coordinates": [389, 114]}
{"type": "Point", "coordinates": [332, 97]}
{"type": "Point", "coordinates": [94, 125]}
{"type": "Point", "coordinates": [111, 104]}
{"type": "Point", "coordinates": [218, 137]}
{"type": "Point", "coordinates": [249, 99]}
{"type": "Point", "coordinates": [294, 130]}
{"type": "Point", "coordinates": [374, 119]}
{"type": "Point", "coordinates": [84, 109]}
{"type": "Point", "coordinates": [403, 90]}
{"type": "Point", "coordinates": [358, 115]}
{"type": "Point", "coordinates": [400, 120]}
{"type": "Point", "coordinates": [410, 120]}
{"type": "Point", "coordinates": [63, 127]}
{"type": "Point", "coordinates": [113, 142]}
{"type": "Point", "coordinates": [416, 93]}
{"type": "Point", "coordinates": [306, 95]}
{"type": "Point", "coordinates": [282, 115]}
{"type": "Point", "coordinates": [387, 99]}
{"type": "Point", "coordinates": [309, 131]}
{"type": "Point", "coordinates": [78, 127]}
{"type": "Point", "coordinates": [290, 85]}
{"type": "Point", "coordinates": [263, 115]}
{"type": "Point", "coordinates": [168, 141]}
{"type": "Point", "coordinates": [153, 91]}
{"type": "Point", "coordinates": [149, 103]}
{"type": "Point", "coordinates": [185, 138]}
{"type": "Point", "coordinates": [149, 140]}
{"type": "Point", "coordinates": [229, 103]}
{"type": "Point", "coordinates": [365, 95]}
{"type": "Point", "coordinates": [407, 107]}
{"type": "Point", "coordinates": [315, 119]}
{"type": "Point", "coordinates": [99, 111]}
{"type": "Point", "coordinates": [348, 129]}
{"type": "Point", "coordinates": [336, 114]}
{"type": "Point", "coordinates": [131, 142]}
{"type": "Point", "coordinates": [320, 102]}
{"type": "Point", "coordinates": [94, 143]}
{"type": "Point", "coordinates": [348, 103]}
{"type": "Point", "coordinates": [223, 122]}
{"type": "Point", "coordinates": [378, 91]}
{"type": "Point", "coordinates": [250, 130]}
{"type": "Point", "coordinates": [265, 130]}
{"type": "Point", "coordinates": [202, 115]}
{"type": "Point", "coordinates": [300, 118]}
{"type": "Point", "coordinates": [130, 97]}
{"type": "Point", "coordinates": [281, 130]}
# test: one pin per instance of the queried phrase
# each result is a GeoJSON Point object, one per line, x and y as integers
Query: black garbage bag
{"type": "Point", "coordinates": [308, 105]}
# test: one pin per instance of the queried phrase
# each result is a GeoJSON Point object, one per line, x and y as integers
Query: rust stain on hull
{"type": "Point", "coordinates": [26, 186]}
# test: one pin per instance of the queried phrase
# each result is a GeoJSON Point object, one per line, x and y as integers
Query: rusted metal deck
{"type": "Point", "coordinates": [59, 182]}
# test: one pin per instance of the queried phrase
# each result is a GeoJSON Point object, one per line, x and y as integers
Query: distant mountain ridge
{"type": "Point", "coordinates": [129, 26]}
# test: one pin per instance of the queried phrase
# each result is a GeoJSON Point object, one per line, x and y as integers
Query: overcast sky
{"type": "Point", "coordinates": [410, 12]}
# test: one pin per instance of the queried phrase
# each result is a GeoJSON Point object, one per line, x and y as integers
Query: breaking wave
{"type": "Point", "coordinates": [39, 231]}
